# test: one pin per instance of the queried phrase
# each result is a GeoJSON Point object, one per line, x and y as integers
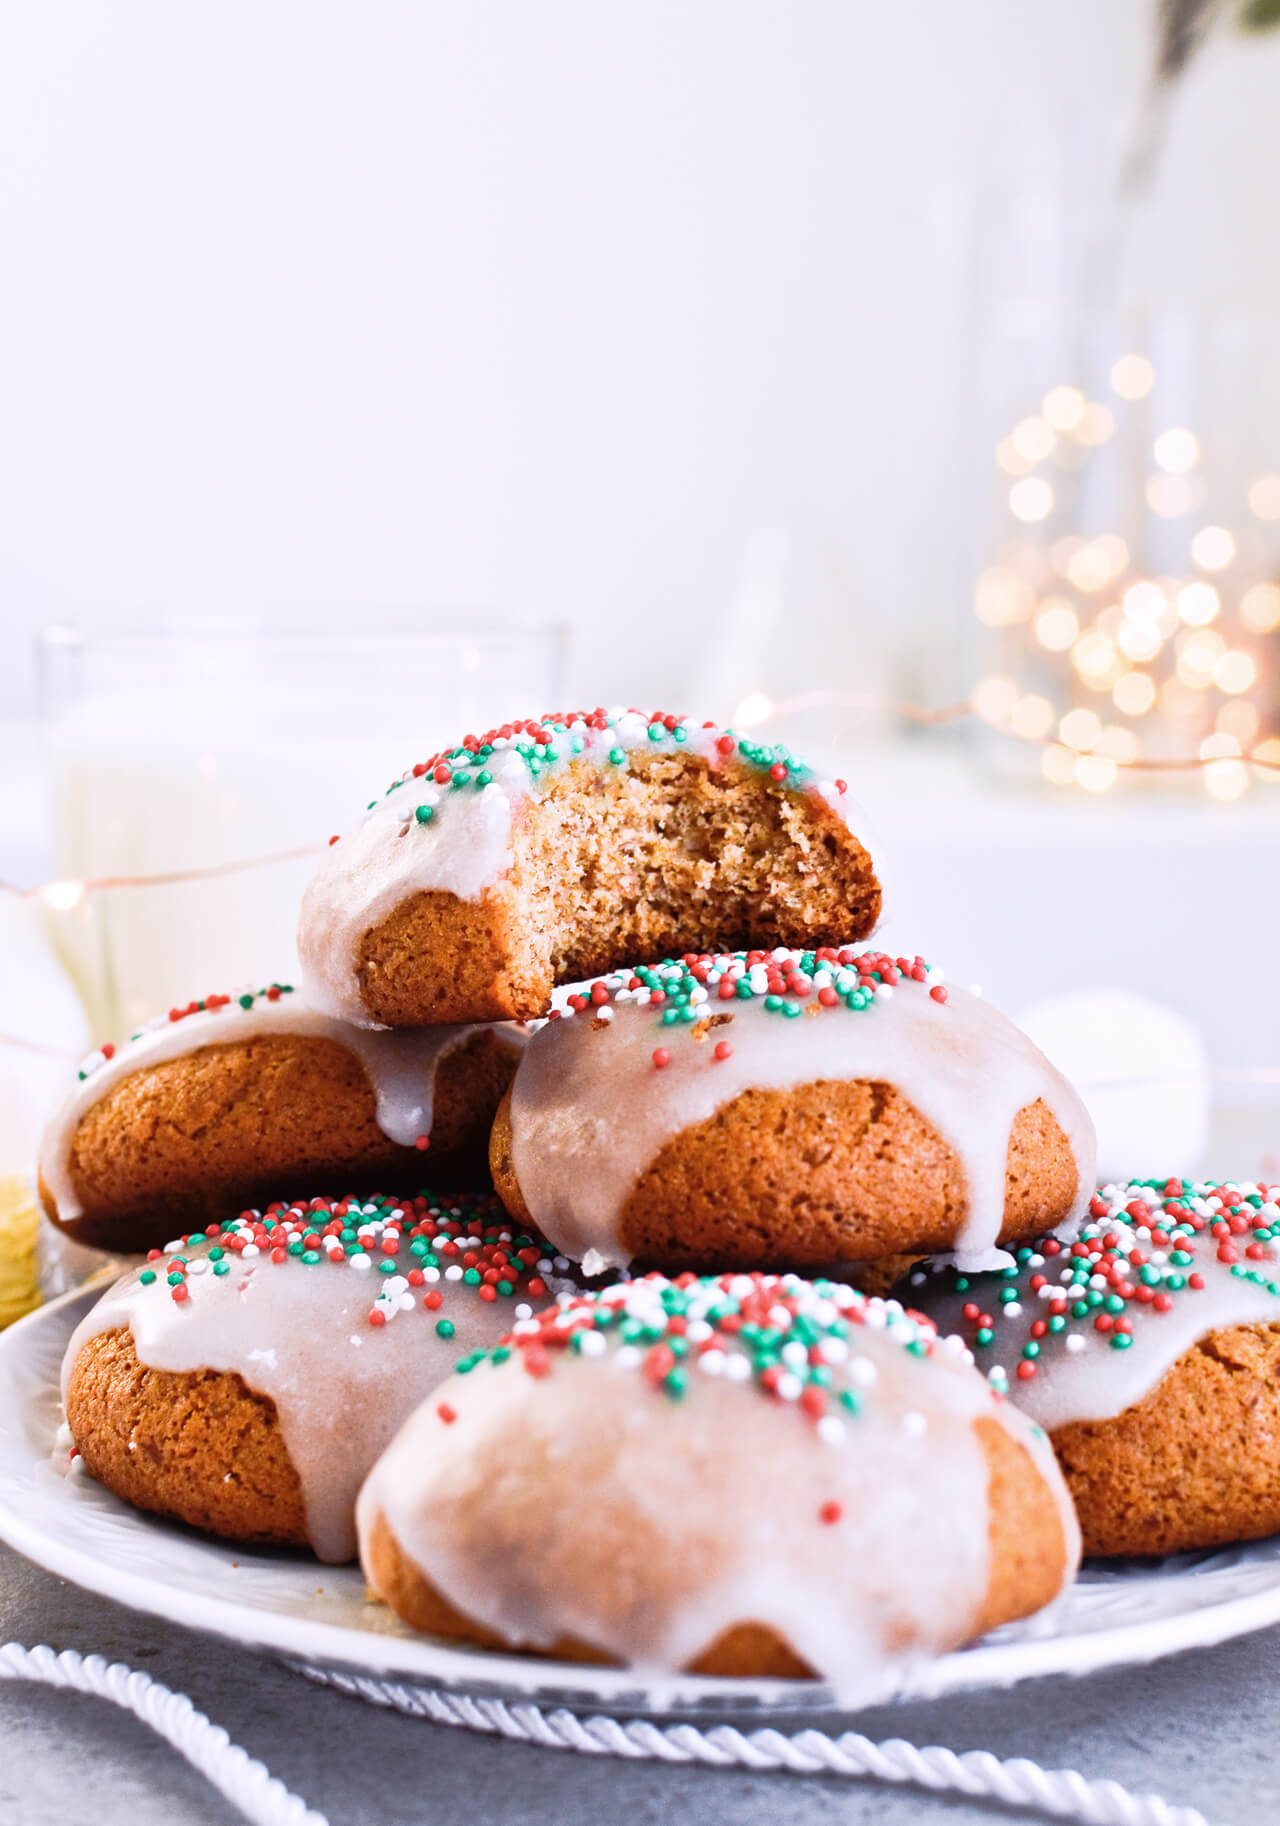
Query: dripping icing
{"type": "Point", "coordinates": [646, 1043]}
{"type": "Point", "coordinates": [401, 1067]}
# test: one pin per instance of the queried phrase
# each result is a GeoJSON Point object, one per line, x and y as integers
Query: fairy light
{"type": "Point", "coordinates": [1034, 439]}
{"type": "Point", "coordinates": [1213, 548]}
{"type": "Point", "coordinates": [1097, 424]}
{"type": "Point", "coordinates": [1096, 773]}
{"type": "Point", "coordinates": [1144, 601]}
{"type": "Point", "coordinates": [1032, 717]}
{"type": "Point", "coordinates": [1139, 640]}
{"type": "Point", "coordinates": [1057, 625]}
{"type": "Point", "coordinates": [1176, 450]}
{"type": "Point", "coordinates": [1198, 604]}
{"type": "Point", "coordinates": [1134, 694]}
{"type": "Point", "coordinates": [1117, 744]}
{"type": "Point", "coordinates": [1090, 568]}
{"type": "Point", "coordinates": [1260, 608]}
{"type": "Point", "coordinates": [1058, 765]}
{"type": "Point", "coordinates": [1064, 407]}
{"type": "Point", "coordinates": [1264, 498]}
{"type": "Point", "coordinates": [994, 698]}
{"type": "Point", "coordinates": [1226, 780]}
{"type": "Point", "coordinates": [1030, 499]}
{"type": "Point", "coordinates": [62, 896]}
{"type": "Point", "coordinates": [1010, 459]}
{"type": "Point", "coordinates": [1132, 376]}
{"type": "Point", "coordinates": [1235, 672]}
{"type": "Point", "coordinates": [1080, 729]}
{"type": "Point", "coordinates": [1095, 658]}
{"type": "Point", "coordinates": [754, 709]}
{"type": "Point", "coordinates": [1170, 653]}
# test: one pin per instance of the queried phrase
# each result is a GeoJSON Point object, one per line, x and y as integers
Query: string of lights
{"type": "Point", "coordinates": [1121, 652]}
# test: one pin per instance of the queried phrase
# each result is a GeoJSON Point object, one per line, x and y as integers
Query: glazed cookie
{"type": "Point", "coordinates": [246, 1379]}
{"type": "Point", "coordinates": [545, 851]}
{"type": "Point", "coordinates": [1149, 1348]}
{"type": "Point", "coordinates": [213, 1105]}
{"type": "Point", "coordinates": [747, 1475]}
{"type": "Point", "coordinates": [786, 1109]}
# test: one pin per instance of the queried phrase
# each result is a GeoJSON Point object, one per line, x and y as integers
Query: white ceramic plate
{"type": "Point", "coordinates": [322, 1616]}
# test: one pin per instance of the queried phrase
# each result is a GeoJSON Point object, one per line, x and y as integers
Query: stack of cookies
{"type": "Point", "coordinates": [645, 1377]}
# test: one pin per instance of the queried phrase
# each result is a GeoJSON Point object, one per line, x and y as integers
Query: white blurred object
{"type": "Point", "coordinates": [38, 1006]}
{"type": "Point", "coordinates": [1141, 1070]}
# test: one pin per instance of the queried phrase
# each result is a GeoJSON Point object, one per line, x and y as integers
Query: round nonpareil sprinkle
{"type": "Point", "coordinates": [1146, 1247]}
{"type": "Point", "coordinates": [792, 1339]}
{"type": "Point", "coordinates": [414, 1250]}
{"type": "Point", "coordinates": [240, 1000]}
{"type": "Point", "coordinates": [696, 994]}
{"type": "Point", "coordinates": [541, 746]}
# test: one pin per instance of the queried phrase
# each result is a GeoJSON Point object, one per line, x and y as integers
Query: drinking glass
{"type": "Point", "coordinates": [169, 751]}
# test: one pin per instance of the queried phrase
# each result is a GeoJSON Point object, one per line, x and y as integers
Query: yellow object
{"type": "Point", "coordinates": [19, 1269]}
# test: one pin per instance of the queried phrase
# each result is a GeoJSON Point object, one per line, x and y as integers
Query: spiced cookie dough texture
{"type": "Point", "coordinates": [782, 1109]}
{"type": "Point", "coordinates": [546, 851]}
{"type": "Point", "coordinates": [1148, 1346]}
{"type": "Point", "coordinates": [741, 1475]}
{"type": "Point", "coordinates": [216, 1104]}
{"type": "Point", "coordinates": [245, 1379]}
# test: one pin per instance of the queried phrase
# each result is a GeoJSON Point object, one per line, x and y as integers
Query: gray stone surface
{"type": "Point", "coordinates": [1194, 1728]}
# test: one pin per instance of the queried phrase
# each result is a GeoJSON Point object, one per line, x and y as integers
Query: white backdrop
{"type": "Point", "coordinates": [559, 310]}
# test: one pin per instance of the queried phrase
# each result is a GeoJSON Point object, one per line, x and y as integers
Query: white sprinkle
{"type": "Point", "coordinates": [592, 1343]}
{"type": "Point", "coordinates": [626, 1357]}
{"type": "Point", "coordinates": [453, 1272]}
{"type": "Point", "coordinates": [737, 1369]}
{"type": "Point", "coordinates": [830, 1429]}
{"type": "Point", "coordinates": [1075, 1341]}
{"type": "Point", "coordinates": [833, 1350]}
{"type": "Point", "coordinates": [863, 1373]}
{"type": "Point", "coordinates": [795, 1355]}
{"type": "Point", "coordinates": [523, 1310]}
{"type": "Point", "coordinates": [362, 1263]}
{"type": "Point", "coordinates": [788, 1387]}
{"type": "Point", "coordinates": [201, 1265]}
{"type": "Point", "coordinates": [711, 1362]}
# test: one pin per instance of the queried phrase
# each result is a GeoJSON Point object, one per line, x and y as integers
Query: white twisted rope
{"type": "Point", "coordinates": [1060, 1793]}
{"type": "Point", "coordinates": [247, 1784]}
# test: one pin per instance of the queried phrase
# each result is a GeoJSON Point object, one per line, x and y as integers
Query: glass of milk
{"type": "Point", "coordinates": [172, 751]}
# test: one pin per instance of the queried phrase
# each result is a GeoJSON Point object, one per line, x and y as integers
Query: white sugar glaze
{"type": "Point", "coordinates": [1079, 1376]}
{"type": "Point", "coordinates": [464, 850]}
{"type": "Point", "coordinates": [401, 1067]}
{"type": "Point", "coordinates": [590, 1112]}
{"type": "Point", "coordinates": [705, 1513]}
{"type": "Point", "coordinates": [301, 1336]}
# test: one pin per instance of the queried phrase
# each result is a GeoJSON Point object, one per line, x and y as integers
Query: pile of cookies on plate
{"type": "Point", "coordinates": [762, 1317]}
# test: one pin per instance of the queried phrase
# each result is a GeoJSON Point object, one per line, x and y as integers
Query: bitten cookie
{"type": "Point", "coordinates": [215, 1104]}
{"type": "Point", "coordinates": [545, 851]}
{"type": "Point", "coordinates": [747, 1475]}
{"type": "Point", "coordinates": [785, 1109]}
{"type": "Point", "coordinates": [1149, 1349]}
{"type": "Point", "coordinates": [246, 1379]}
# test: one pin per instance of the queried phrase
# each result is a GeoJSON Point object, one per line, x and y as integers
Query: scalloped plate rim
{"type": "Point", "coordinates": [408, 1658]}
